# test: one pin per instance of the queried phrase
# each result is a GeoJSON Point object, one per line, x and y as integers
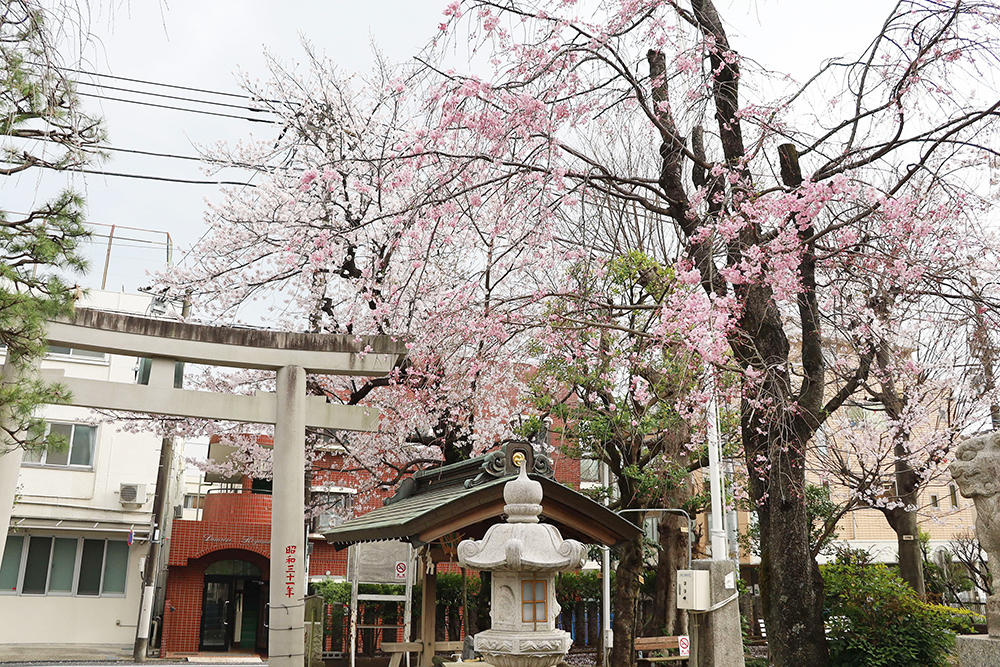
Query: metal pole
{"type": "Point", "coordinates": [287, 593]}
{"type": "Point", "coordinates": [608, 635]}
{"type": "Point", "coordinates": [107, 258]}
{"type": "Point", "coordinates": [718, 527]}
{"type": "Point", "coordinates": [606, 602]}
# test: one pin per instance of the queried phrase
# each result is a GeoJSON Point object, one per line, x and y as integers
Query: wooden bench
{"type": "Point", "coordinates": [648, 644]}
{"type": "Point", "coordinates": [448, 647]}
{"type": "Point", "coordinates": [397, 650]}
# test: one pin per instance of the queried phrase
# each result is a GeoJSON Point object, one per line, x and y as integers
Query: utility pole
{"type": "Point", "coordinates": [162, 372]}
{"type": "Point", "coordinates": [155, 539]}
{"type": "Point", "coordinates": [718, 527]}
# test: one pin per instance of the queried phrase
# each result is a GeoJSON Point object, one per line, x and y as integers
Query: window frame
{"type": "Point", "coordinates": [78, 355]}
{"type": "Point", "coordinates": [590, 471]}
{"type": "Point", "coordinates": [197, 501]}
{"type": "Point", "coordinates": [346, 494]}
{"type": "Point", "coordinates": [20, 566]}
{"type": "Point", "coordinates": [534, 601]}
{"type": "Point", "coordinates": [77, 562]}
{"type": "Point", "coordinates": [43, 461]}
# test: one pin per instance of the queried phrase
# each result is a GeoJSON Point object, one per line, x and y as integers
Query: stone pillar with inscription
{"type": "Point", "coordinates": [976, 470]}
{"type": "Point", "coordinates": [286, 631]}
{"type": "Point", "coordinates": [524, 556]}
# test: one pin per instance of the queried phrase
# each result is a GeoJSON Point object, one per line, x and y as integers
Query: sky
{"type": "Point", "coordinates": [203, 44]}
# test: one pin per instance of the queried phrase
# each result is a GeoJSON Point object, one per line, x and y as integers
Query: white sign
{"type": "Point", "coordinates": [730, 580]}
{"type": "Point", "coordinates": [684, 644]}
{"type": "Point", "coordinates": [401, 570]}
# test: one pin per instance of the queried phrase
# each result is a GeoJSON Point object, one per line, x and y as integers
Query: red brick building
{"type": "Point", "coordinates": [218, 566]}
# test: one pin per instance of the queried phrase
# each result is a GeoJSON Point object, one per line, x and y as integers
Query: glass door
{"type": "Point", "coordinates": [215, 615]}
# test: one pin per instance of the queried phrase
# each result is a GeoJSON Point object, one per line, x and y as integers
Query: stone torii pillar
{"type": "Point", "coordinates": [292, 356]}
{"type": "Point", "coordinates": [286, 644]}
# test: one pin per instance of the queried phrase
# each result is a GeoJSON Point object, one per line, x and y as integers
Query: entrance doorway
{"type": "Point", "coordinates": [232, 608]}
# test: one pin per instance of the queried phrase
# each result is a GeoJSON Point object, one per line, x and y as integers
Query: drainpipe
{"type": "Point", "coordinates": [161, 374]}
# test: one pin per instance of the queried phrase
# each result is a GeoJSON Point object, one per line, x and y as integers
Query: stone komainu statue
{"type": "Point", "coordinates": [976, 470]}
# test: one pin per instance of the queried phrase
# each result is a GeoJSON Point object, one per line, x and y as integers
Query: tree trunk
{"type": "Point", "coordinates": [904, 523]}
{"type": "Point", "coordinates": [911, 558]}
{"type": "Point", "coordinates": [454, 623]}
{"type": "Point", "coordinates": [482, 603]}
{"type": "Point", "coordinates": [579, 625]}
{"type": "Point", "coordinates": [368, 617]}
{"type": "Point", "coordinates": [593, 623]}
{"type": "Point", "coordinates": [440, 622]}
{"type": "Point", "coordinates": [390, 616]}
{"type": "Point", "coordinates": [901, 519]}
{"type": "Point", "coordinates": [626, 592]}
{"type": "Point", "coordinates": [790, 583]}
{"type": "Point", "coordinates": [665, 618]}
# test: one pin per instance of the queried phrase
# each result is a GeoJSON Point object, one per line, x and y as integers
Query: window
{"type": "Point", "coordinates": [822, 443]}
{"type": "Point", "coordinates": [935, 503]}
{"type": "Point", "coordinates": [533, 601]}
{"type": "Point", "coordinates": [953, 490]}
{"type": "Point", "coordinates": [72, 446]}
{"type": "Point", "coordinates": [75, 353]}
{"type": "Point", "coordinates": [194, 501]}
{"type": "Point", "coordinates": [590, 470]}
{"type": "Point", "coordinates": [46, 565]}
{"type": "Point", "coordinates": [332, 508]}
{"type": "Point", "coordinates": [11, 564]}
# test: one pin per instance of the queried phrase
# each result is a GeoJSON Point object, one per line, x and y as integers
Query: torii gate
{"type": "Point", "coordinates": [292, 355]}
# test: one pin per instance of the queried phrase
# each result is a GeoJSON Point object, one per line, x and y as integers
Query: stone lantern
{"type": "Point", "coordinates": [524, 556]}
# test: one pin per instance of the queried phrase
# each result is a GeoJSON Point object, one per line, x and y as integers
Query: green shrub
{"type": "Point", "coordinates": [960, 621]}
{"type": "Point", "coordinates": [875, 619]}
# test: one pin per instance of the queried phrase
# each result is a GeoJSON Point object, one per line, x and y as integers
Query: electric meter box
{"type": "Point", "coordinates": [693, 590]}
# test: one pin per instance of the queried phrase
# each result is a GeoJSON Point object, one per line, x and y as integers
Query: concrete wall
{"type": "Point", "coordinates": [63, 619]}
{"type": "Point", "coordinates": [50, 493]}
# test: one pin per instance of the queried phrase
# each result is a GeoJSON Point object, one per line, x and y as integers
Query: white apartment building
{"type": "Point", "coordinates": [71, 574]}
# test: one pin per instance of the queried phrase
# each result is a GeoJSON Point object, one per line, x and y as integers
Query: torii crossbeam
{"type": "Point", "coordinates": [291, 355]}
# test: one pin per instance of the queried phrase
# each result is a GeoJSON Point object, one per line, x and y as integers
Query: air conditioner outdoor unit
{"type": "Point", "coordinates": [178, 511]}
{"type": "Point", "coordinates": [132, 494]}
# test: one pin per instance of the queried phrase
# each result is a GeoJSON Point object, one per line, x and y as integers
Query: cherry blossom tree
{"type": "Point", "coordinates": [352, 227]}
{"type": "Point", "coordinates": [450, 208]}
{"type": "Point", "coordinates": [929, 384]}
{"type": "Point", "coordinates": [622, 397]}
{"type": "Point", "coordinates": [799, 215]}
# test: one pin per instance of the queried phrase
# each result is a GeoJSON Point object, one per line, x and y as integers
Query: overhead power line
{"type": "Point", "coordinates": [191, 158]}
{"type": "Point", "coordinates": [145, 177]}
{"type": "Point", "coordinates": [241, 107]}
{"type": "Point", "coordinates": [243, 96]}
{"type": "Point", "coordinates": [175, 108]}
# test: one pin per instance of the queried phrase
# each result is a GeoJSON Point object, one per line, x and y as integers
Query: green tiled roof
{"type": "Point", "coordinates": [435, 504]}
{"type": "Point", "coordinates": [408, 517]}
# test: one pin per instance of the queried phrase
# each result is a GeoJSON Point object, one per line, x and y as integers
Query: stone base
{"type": "Point", "coordinates": [978, 651]}
{"type": "Point", "coordinates": [509, 648]}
